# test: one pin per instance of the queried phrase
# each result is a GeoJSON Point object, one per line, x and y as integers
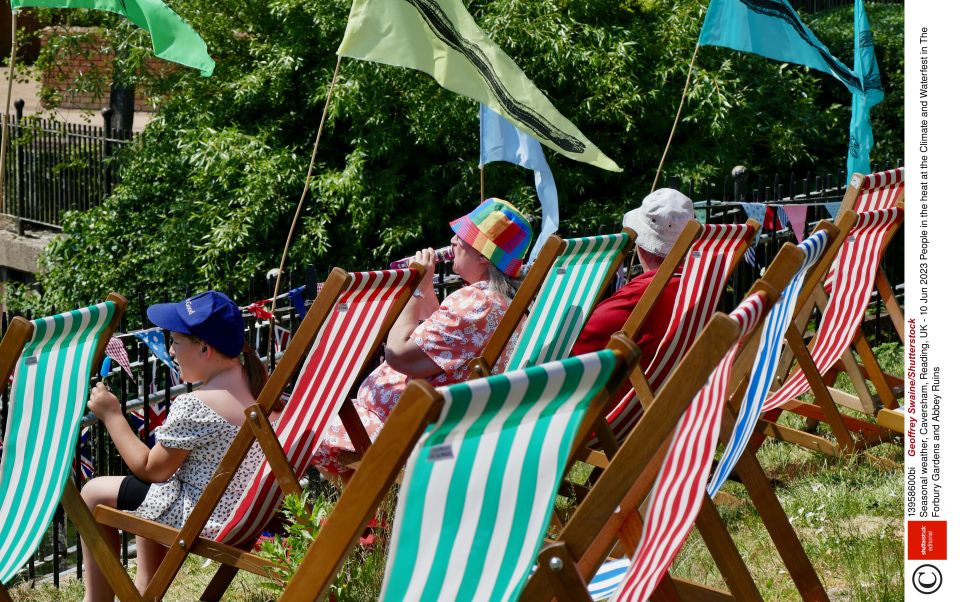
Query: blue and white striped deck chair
{"type": "Point", "coordinates": [608, 578]}
{"type": "Point", "coordinates": [53, 359]}
{"type": "Point", "coordinates": [766, 361]}
{"type": "Point", "coordinates": [479, 484]}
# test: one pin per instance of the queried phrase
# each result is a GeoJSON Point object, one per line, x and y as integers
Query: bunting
{"type": "Point", "coordinates": [117, 351]}
{"type": "Point", "coordinates": [157, 345]}
{"type": "Point", "coordinates": [797, 218]}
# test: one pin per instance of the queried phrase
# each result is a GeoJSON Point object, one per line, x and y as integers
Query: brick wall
{"type": "Point", "coordinates": [89, 58]}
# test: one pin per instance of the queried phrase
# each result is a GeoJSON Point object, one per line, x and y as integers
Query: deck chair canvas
{"type": "Point", "coordinates": [52, 360]}
{"type": "Point", "coordinates": [853, 271]}
{"type": "Point", "coordinates": [680, 471]}
{"type": "Point", "coordinates": [880, 190]}
{"type": "Point", "coordinates": [777, 277]}
{"type": "Point", "coordinates": [479, 484]}
{"type": "Point", "coordinates": [566, 293]}
{"type": "Point", "coordinates": [342, 330]}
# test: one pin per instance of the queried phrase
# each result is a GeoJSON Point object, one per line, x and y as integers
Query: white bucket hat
{"type": "Point", "coordinates": [659, 219]}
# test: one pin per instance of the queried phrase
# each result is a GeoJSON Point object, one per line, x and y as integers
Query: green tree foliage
{"type": "Point", "coordinates": [208, 192]}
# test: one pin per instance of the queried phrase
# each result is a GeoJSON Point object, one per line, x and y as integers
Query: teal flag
{"type": "Point", "coordinates": [865, 67]}
{"type": "Point", "coordinates": [173, 40]}
{"type": "Point", "coordinates": [771, 28]}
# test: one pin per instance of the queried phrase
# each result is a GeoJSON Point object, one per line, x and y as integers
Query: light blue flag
{"type": "Point", "coordinates": [865, 67]}
{"type": "Point", "coordinates": [771, 28]}
{"type": "Point", "coordinates": [500, 140]}
{"type": "Point", "coordinates": [832, 209]}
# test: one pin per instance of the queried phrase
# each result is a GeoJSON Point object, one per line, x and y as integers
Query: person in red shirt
{"type": "Point", "coordinates": [657, 222]}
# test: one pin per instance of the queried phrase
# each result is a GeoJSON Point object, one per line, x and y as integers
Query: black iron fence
{"type": "Point", "coordinates": [54, 166]}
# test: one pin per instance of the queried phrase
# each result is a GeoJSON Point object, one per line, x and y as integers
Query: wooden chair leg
{"type": "Point", "coordinates": [219, 584]}
{"type": "Point", "coordinates": [4, 594]}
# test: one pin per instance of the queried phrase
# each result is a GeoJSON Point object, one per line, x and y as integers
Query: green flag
{"type": "Point", "coordinates": [440, 38]}
{"type": "Point", "coordinates": [173, 39]}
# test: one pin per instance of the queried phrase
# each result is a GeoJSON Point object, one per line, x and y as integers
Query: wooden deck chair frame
{"type": "Point", "coordinates": [256, 428]}
{"type": "Point", "coordinates": [11, 347]}
{"type": "Point", "coordinates": [826, 397]}
{"type": "Point", "coordinates": [419, 406]}
{"type": "Point", "coordinates": [750, 473]}
{"type": "Point", "coordinates": [604, 516]}
{"type": "Point", "coordinates": [531, 286]}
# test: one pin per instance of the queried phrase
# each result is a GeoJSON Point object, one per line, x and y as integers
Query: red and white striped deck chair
{"type": "Point", "coordinates": [880, 190]}
{"type": "Point", "coordinates": [665, 460]}
{"type": "Point", "coordinates": [676, 498]}
{"type": "Point", "coordinates": [342, 331]}
{"type": "Point", "coordinates": [706, 269]}
{"type": "Point", "coordinates": [853, 274]}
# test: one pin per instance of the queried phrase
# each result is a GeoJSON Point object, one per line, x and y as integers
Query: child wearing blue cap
{"type": "Point", "coordinates": [207, 334]}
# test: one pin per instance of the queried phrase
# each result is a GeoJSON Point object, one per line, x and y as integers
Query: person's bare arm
{"type": "Point", "coordinates": [402, 354]}
{"type": "Point", "coordinates": [153, 465]}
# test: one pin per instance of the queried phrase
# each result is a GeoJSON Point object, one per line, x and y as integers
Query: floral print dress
{"type": "Point", "coordinates": [452, 336]}
{"type": "Point", "coordinates": [193, 425]}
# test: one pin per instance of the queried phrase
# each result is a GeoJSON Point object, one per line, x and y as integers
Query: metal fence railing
{"type": "Point", "coordinates": [54, 166]}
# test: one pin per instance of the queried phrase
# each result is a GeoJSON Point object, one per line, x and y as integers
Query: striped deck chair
{"type": "Point", "coordinates": [854, 268]}
{"type": "Point", "coordinates": [628, 527]}
{"type": "Point", "coordinates": [767, 358]}
{"type": "Point", "coordinates": [479, 485]}
{"type": "Point", "coordinates": [339, 335]}
{"type": "Point", "coordinates": [880, 190]}
{"type": "Point", "coordinates": [706, 269]}
{"type": "Point", "coordinates": [689, 405]}
{"type": "Point", "coordinates": [573, 282]}
{"type": "Point", "coordinates": [675, 500]}
{"type": "Point", "coordinates": [54, 359]}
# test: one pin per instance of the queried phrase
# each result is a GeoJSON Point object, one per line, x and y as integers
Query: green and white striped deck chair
{"type": "Point", "coordinates": [480, 483]}
{"type": "Point", "coordinates": [573, 284]}
{"type": "Point", "coordinates": [54, 359]}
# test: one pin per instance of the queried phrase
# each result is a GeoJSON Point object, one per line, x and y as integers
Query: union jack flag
{"type": "Point", "coordinates": [281, 338]}
{"type": "Point", "coordinates": [157, 413]}
{"type": "Point", "coordinates": [84, 454]}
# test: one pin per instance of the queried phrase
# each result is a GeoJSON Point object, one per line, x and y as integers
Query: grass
{"type": "Point", "coordinates": [847, 513]}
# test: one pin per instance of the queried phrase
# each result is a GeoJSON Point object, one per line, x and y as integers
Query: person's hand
{"type": "Point", "coordinates": [102, 402]}
{"type": "Point", "coordinates": [428, 259]}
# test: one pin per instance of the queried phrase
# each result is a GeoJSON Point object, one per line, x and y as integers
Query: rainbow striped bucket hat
{"type": "Point", "coordinates": [498, 231]}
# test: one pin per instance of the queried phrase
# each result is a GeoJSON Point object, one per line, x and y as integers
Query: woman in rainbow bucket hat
{"type": "Point", "coordinates": [434, 340]}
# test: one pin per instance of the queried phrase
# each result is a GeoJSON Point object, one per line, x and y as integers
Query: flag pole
{"type": "Point", "coordinates": [6, 112]}
{"type": "Point", "coordinates": [676, 119]}
{"type": "Point", "coordinates": [303, 196]}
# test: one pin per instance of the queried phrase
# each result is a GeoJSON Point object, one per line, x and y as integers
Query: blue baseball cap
{"type": "Point", "coordinates": [211, 317]}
